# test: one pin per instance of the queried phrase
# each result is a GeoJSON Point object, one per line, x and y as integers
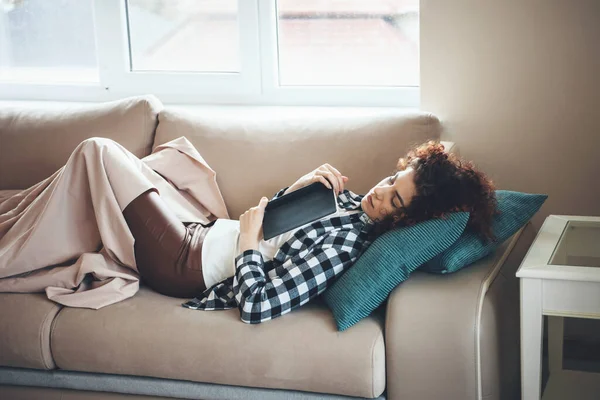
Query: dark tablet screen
{"type": "Point", "coordinates": [295, 209]}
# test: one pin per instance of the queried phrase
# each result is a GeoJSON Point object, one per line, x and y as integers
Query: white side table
{"type": "Point", "coordinates": [560, 276]}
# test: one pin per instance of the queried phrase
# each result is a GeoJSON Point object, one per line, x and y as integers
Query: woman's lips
{"type": "Point", "coordinates": [370, 199]}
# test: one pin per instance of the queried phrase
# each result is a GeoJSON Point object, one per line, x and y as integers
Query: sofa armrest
{"type": "Point", "coordinates": [456, 336]}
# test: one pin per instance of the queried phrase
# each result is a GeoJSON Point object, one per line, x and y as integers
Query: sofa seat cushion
{"type": "Point", "coordinates": [25, 322]}
{"type": "Point", "coordinates": [37, 139]}
{"type": "Point", "coordinates": [152, 335]}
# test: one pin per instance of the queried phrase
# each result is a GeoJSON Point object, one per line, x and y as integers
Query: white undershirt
{"type": "Point", "coordinates": [221, 247]}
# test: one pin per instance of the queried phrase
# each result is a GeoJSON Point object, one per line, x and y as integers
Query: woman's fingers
{"type": "Point", "coordinates": [263, 203]}
{"type": "Point", "coordinates": [320, 178]}
{"type": "Point", "coordinates": [333, 169]}
{"type": "Point", "coordinates": [338, 175]}
{"type": "Point", "coordinates": [251, 223]}
{"type": "Point", "coordinates": [254, 215]}
{"type": "Point", "coordinates": [334, 176]}
{"type": "Point", "coordinates": [330, 176]}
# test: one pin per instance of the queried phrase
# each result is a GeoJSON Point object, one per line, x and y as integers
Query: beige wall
{"type": "Point", "coordinates": [517, 84]}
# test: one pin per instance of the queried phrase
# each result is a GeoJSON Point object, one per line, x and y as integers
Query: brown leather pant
{"type": "Point", "coordinates": [168, 253]}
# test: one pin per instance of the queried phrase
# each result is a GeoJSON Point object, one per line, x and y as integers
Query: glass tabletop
{"type": "Point", "coordinates": [579, 245]}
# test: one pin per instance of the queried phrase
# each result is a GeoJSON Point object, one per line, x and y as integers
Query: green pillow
{"type": "Point", "coordinates": [515, 208]}
{"type": "Point", "coordinates": [388, 261]}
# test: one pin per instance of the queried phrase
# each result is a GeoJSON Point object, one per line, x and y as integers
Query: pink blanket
{"type": "Point", "coordinates": [67, 236]}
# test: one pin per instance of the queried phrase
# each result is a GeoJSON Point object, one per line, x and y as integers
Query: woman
{"type": "Point", "coordinates": [266, 279]}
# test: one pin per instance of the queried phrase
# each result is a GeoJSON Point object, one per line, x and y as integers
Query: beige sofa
{"type": "Point", "coordinates": [437, 337]}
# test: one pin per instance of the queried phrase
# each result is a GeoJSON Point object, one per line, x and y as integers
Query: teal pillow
{"type": "Point", "coordinates": [388, 261]}
{"type": "Point", "coordinates": [515, 208]}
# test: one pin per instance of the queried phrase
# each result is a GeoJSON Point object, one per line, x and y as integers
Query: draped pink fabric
{"type": "Point", "coordinates": [67, 236]}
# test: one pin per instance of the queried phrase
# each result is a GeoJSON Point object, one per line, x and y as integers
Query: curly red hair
{"type": "Point", "coordinates": [445, 183]}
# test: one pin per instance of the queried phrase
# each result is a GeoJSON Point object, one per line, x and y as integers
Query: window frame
{"type": "Point", "coordinates": [255, 84]}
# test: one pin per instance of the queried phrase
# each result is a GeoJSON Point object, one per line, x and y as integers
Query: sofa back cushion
{"type": "Point", "coordinates": [37, 139]}
{"type": "Point", "coordinates": [256, 151]}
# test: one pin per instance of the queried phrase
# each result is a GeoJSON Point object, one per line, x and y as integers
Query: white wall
{"type": "Point", "coordinates": [517, 84]}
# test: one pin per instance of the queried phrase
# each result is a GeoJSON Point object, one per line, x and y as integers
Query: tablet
{"type": "Point", "coordinates": [298, 208]}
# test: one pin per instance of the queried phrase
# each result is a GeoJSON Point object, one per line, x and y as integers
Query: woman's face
{"type": "Point", "coordinates": [389, 195]}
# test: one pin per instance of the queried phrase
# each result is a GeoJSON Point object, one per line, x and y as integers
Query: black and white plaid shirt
{"type": "Point", "coordinates": [302, 268]}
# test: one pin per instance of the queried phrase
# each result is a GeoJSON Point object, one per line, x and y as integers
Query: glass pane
{"type": "Point", "coordinates": [579, 245]}
{"type": "Point", "coordinates": [348, 42]}
{"type": "Point", "coordinates": [184, 35]}
{"type": "Point", "coordinates": [45, 41]}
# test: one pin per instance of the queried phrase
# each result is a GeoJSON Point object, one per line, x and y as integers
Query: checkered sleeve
{"type": "Point", "coordinates": [299, 279]}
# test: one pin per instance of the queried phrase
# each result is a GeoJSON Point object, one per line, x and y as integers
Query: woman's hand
{"type": "Point", "coordinates": [251, 231]}
{"type": "Point", "coordinates": [326, 174]}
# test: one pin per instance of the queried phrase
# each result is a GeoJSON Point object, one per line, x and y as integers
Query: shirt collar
{"type": "Point", "coordinates": [366, 219]}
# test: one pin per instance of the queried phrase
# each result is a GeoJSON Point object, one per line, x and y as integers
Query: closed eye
{"type": "Point", "coordinates": [391, 181]}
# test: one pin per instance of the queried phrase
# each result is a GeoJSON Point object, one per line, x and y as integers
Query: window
{"type": "Point", "coordinates": [161, 32]}
{"type": "Point", "coordinates": [310, 52]}
{"type": "Point", "coordinates": [346, 43]}
{"type": "Point", "coordinates": [37, 42]}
